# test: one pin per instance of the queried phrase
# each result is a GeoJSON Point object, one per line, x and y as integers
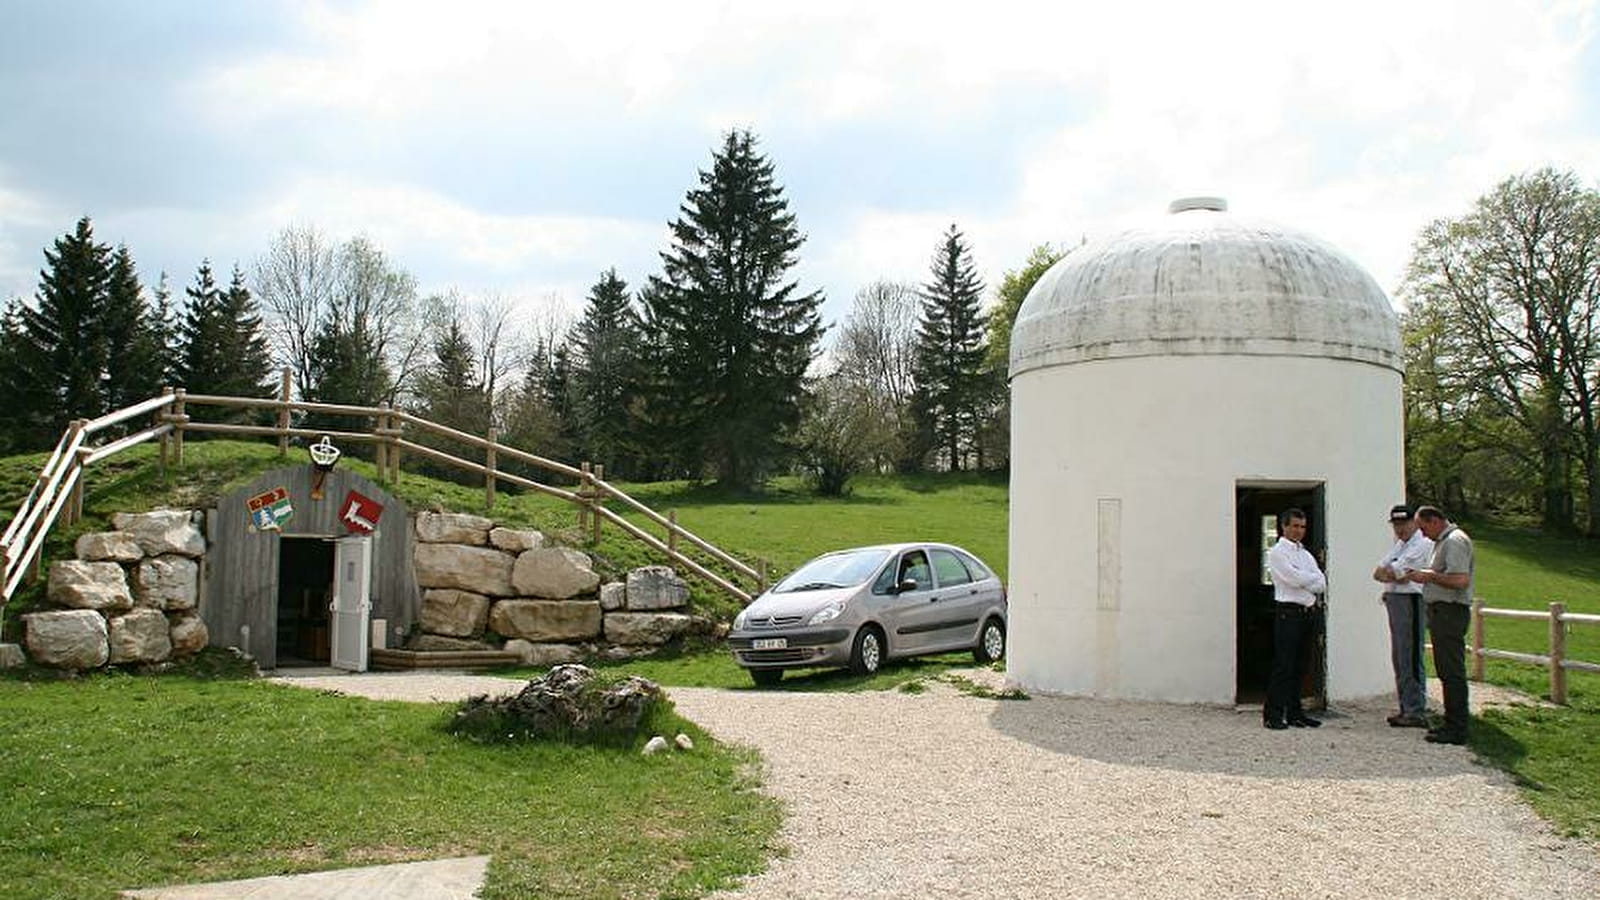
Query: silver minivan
{"type": "Point", "coordinates": [859, 607]}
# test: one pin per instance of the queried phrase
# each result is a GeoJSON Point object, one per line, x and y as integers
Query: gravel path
{"type": "Point", "coordinates": [942, 794]}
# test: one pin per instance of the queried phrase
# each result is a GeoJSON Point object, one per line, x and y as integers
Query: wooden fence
{"type": "Point", "coordinates": [1555, 661]}
{"type": "Point", "coordinates": [57, 495]}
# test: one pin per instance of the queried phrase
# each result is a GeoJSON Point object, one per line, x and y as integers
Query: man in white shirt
{"type": "Point", "coordinates": [1296, 582]}
{"type": "Point", "coordinates": [1403, 597]}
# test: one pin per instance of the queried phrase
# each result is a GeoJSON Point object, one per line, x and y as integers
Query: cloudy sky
{"type": "Point", "coordinates": [519, 149]}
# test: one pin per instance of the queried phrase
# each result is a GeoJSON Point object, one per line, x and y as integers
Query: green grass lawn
{"type": "Point", "coordinates": [114, 781]}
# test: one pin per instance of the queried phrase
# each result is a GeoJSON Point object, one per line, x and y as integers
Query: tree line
{"type": "Point", "coordinates": [713, 368]}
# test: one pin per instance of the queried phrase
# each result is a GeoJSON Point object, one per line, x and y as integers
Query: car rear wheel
{"type": "Point", "coordinates": [991, 642]}
{"type": "Point", "coordinates": [867, 654]}
{"type": "Point", "coordinates": [766, 677]}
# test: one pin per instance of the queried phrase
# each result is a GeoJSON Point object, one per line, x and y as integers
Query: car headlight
{"type": "Point", "coordinates": [826, 614]}
{"type": "Point", "coordinates": [738, 621]}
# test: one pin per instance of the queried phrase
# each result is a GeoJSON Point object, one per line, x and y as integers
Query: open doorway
{"type": "Point", "coordinates": [1256, 508]}
{"type": "Point", "coordinates": [305, 580]}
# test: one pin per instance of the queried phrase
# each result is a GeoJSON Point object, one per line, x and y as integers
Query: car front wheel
{"type": "Point", "coordinates": [766, 677]}
{"type": "Point", "coordinates": [867, 654]}
{"type": "Point", "coordinates": [991, 642]}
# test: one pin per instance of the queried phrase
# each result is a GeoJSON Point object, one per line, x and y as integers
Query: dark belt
{"type": "Point", "coordinates": [1416, 594]}
{"type": "Point", "coordinates": [1286, 606]}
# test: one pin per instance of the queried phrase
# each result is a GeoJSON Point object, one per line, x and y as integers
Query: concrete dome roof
{"type": "Point", "coordinates": [1205, 282]}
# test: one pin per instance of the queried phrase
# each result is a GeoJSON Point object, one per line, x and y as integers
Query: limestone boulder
{"type": "Point", "coordinates": [544, 655]}
{"type": "Point", "coordinates": [108, 546]}
{"type": "Point", "coordinates": [656, 587]}
{"type": "Point", "coordinates": [452, 612]}
{"type": "Point", "coordinates": [188, 634]}
{"type": "Point", "coordinates": [646, 628]}
{"type": "Point", "coordinates": [453, 528]}
{"type": "Point", "coordinates": [432, 643]}
{"type": "Point", "coordinates": [167, 582]}
{"type": "Point", "coordinates": [554, 572]}
{"type": "Point", "coordinates": [163, 531]}
{"type": "Point", "coordinates": [481, 570]}
{"type": "Point", "coordinates": [88, 585]}
{"type": "Point", "coordinates": [139, 636]}
{"type": "Point", "coordinates": [11, 656]}
{"type": "Point", "coordinates": [546, 621]}
{"type": "Point", "coordinates": [514, 540]}
{"type": "Point", "coordinates": [613, 595]}
{"type": "Point", "coordinates": [67, 639]}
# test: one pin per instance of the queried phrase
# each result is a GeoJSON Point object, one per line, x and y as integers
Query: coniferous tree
{"type": "Point", "coordinates": [15, 371]}
{"type": "Point", "coordinates": [136, 353]}
{"type": "Point", "coordinates": [733, 338]}
{"type": "Point", "coordinates": [64, 337]}
{"type": "Point", "coordinates": [950, 392]}
{"type": "Point", "coordinates": [604, 375]}
{"type": "Point", "coordinates": [220, 346]}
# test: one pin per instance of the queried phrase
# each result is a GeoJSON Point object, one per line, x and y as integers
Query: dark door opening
{"type": "Point", "coordinates": [1256, 511]}
{"type": "Point", "coordinates": [305, 579]}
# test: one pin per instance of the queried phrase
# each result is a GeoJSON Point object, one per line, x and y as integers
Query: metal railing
{"type": "Point", "coordinates": [57, 495]}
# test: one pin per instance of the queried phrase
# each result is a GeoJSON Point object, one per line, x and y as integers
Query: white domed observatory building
{"type": "Point", "coordinates": [1172, 389]}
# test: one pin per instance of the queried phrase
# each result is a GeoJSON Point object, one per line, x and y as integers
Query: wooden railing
{"type": "Point", "coordinates": [1555, 661]}
{"type": "Point", "coordinates": [57, 494]}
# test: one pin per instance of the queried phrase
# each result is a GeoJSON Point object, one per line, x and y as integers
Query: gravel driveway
{"type": "Point", "coordinates": [942, 794]}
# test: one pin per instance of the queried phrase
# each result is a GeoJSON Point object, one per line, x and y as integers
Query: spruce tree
{"type": "Point", "coordinates": [64, 336]}
{"type": "Point", "coordinates": [733, 338]}
{"type": "Point", "coordinates": [950, 392]}
{"type": "Point", "coordinates": [220, 346]}
{"type": "Point", "coordinates": [15, 370]}
{"type": "Point", "coordinates": [136, 357]}
{"type": "Point", "coordinates": [604, 376]}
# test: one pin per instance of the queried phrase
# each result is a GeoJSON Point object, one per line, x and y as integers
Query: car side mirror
{"type": "Point", "coordinates": [905, 585]}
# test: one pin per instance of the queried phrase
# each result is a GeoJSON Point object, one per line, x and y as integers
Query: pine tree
{"type": "Point", "coordinates": [15, 371]}
{"type": "Point", "coordinates": [604, 376]}
{"type": "Point", "coordinates": [199, 334]}
{"type": "Point", "coordinates": [220, 346]}
{"type": "Point", "coordinates": [64, 336]}
{"type": "Point", "coordinates": [733, 339]}
{"type": "Point", "coordinates": [451, 389]}
{"type": "Point", "coordinates": [136, 357]}
{"type": "Point", "coordinates": [950, 390]}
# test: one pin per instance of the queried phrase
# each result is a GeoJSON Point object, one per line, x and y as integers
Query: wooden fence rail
{"type": "Point", "coordinates": [58, 491]}
{"type": "Point", "coordinates": [1555, 661]}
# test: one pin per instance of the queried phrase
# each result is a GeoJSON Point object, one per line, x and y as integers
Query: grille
{"type": "Point", "coordinates": [791, 655]}
{"type": "Point", "coordinates": [772, 621]}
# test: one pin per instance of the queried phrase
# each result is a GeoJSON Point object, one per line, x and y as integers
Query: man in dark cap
{"type": "Point", "coordinates": [1403, 598]}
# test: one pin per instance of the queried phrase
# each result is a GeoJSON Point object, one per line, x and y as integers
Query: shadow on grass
{"type": "Point", "coordinates": [1499, 748]}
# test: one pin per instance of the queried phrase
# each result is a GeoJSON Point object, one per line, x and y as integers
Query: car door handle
{"type": "Point", "coordinates": [971, 592]}
{"type": "Point", "coordinates": [933, 599]}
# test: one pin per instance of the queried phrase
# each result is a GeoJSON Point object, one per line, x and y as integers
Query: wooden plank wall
{"type": "Point", "coordinates": [241, 564]}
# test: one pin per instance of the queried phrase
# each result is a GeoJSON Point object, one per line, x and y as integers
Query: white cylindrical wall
{"type": "Point", "coordinates": [1122, 536]}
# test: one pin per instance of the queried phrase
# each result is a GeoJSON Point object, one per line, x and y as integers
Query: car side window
{"type": "Point", "coordinates": [886, 580]}
{"type": "Point", "coordinates": [914, 565]}
{"type": "Point", "coordinates": [979, 570]}
{"type": "Point", "coordinates": [949, 568]}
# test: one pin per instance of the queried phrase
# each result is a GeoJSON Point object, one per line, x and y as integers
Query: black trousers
{"type": "Point", "coordinates": [1447, 622]}
{"type": "Point", "coordinates": [1293, 626]}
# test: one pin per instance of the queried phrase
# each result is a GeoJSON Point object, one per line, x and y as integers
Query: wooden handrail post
{"type": "Point", "coordinates": [283, 413]}
{"type": "Point", "coordinates": [489, 477]}
{"type": "Point", "coordinates": [381, 452]}
{"type": "Point", "coordinates": [672, 531]}
{"type": "Point", "coordinates": [166, 444]}
{"type": "Point", "coordinates": [583, 498]}
{"type": "Point", "coordinates": [394, 448]}
{"type": "Point", "coordinates": [598, 500]}
{"type": "Point", "coordinates": [1477, 639]}
{"type": "Point", "coordinates": [179, 418]}
{"type": "Point", "coordinates": [1558, 654]}
{"type": "Point", "coordinates": [763, 568]}
{"type": "Point", "coordinates": [74, 510]}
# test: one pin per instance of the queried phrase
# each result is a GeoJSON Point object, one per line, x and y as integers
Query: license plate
{"type": "Point", "coordinates": [769, 644]}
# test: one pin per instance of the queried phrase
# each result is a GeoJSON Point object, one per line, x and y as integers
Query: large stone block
{"type": "Point", "coordinates": [11, 656]}
{"type": "Point", "coordinates": [88, 585]}
{"type": "Point", "coordinates": [646, 628]}
{"type": "Point", "coordinates": [514, 540]}
{"type": "Point", "coordinates": [167, 582]}
{"type": "Point", "coordinates": [656, 587]}
{"type": "Point", "coordinates": [554, 572]}
{"type": "Point", "coordinates": [140, 636]}
{"type": "Point", "coordinates": [108, 546]}
{"type": "Point", "coordinates": [544, 655]}
{"type": "Point", "coordinates": [453, 528]}
{"type": "Point", "coordinates": [189, 635]}
{"type": "Point", "coordinates": [67, 639]}
{"type": "Point", "coordinates": [481, 570]}
{"type": "Point", "coordinates": [163, 531]}
{"type": "Point", "coordinates": [453, 612]}
{"type": "Point", "coordinates": [546, 621]}
{"type": "Point", "coordinates": [613, 595]}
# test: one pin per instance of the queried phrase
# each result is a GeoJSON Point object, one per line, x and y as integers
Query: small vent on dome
{"type": "Point", "coordinates": [1184, 204]}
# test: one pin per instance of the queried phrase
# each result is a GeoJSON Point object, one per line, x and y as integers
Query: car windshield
{"type": "Point", "coordinates": [836, 570]}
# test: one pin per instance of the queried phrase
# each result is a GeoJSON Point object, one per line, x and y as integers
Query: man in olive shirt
{"type": "Point", "coordinates": [1447, 590]}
